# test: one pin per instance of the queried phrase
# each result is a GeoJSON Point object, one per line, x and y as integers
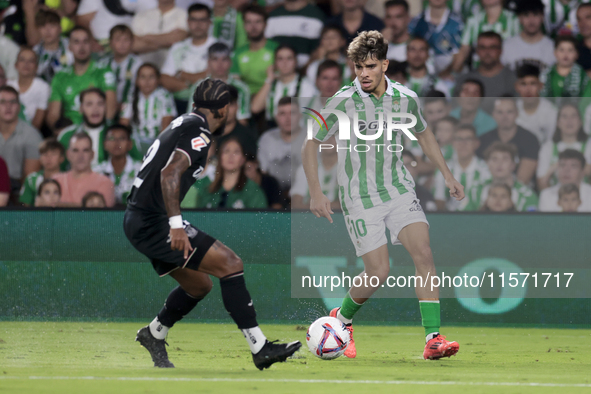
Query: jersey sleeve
{"type": "Point", "coordinates": [414, 107]}
{"type": "Point", "coordinates": [194, 138]}
{"type": "Point", "coordinates": [322, 131]}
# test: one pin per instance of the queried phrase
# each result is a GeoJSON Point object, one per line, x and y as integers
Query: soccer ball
{"type": "Point", "coordinates": [327, 338]}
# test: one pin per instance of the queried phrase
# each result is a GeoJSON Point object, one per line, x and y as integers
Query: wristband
{"type": "Point", "coordinates": [175, 221]}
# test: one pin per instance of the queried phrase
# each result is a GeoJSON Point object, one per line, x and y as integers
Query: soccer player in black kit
{"type": "Point", "coordinates": [154, 225]}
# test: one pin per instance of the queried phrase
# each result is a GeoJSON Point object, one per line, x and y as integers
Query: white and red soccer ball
{"type": "Point", "coordinates": [327, 338]}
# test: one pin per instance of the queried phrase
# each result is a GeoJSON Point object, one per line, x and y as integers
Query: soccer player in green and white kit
{"type": "Point", "coordinates": [376, 190]}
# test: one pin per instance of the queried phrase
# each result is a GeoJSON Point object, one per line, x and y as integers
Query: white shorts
{"type": "Point", "coordinates": [367, 228]}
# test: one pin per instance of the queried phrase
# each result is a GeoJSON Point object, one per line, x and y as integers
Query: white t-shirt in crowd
{"type": "Point", "coordinates": [549, 153]}
{"type": "Point", "coordinates": [184, 56]}
{"type": "Point", "coordinates": [104, 20]}
{"type": "Point", "coordinates": [541, 123]}
{"type": "Point", "coordinates": [34, 98]}
{"type": "Point", "coordinates": [155, 22]}
{"type": "Point", "coordinates": [549, 199]}
{"type": "Point", "coordinates": [517, 52]}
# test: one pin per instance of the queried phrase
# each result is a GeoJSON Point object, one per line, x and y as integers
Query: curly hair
{"type": "Point", "coordinates": [368, 45]}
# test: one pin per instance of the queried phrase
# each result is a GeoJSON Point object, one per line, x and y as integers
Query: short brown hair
{"type": "Point", "coordinates": [368, 45]}
{"type": "Point", "coordinates": [499, 146]}
{"type": "Point", "coordinates": [327, 65]}
{"type": "Point", "coordinates": [47, 17]}
{"type": "Point", "coordinates": [49, 144]}
{"type": "Point", "coordinates": [81, 135]}
{"type": "Point", "coordinates": [566, 38]}
{"type": "Point", "coordinates": [120, 29]}
{"type": "Point", "coordinates": [47, 182]}
{"type": "Point", "coordinates": [568, 189]}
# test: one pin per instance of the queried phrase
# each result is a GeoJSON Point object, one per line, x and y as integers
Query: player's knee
{"type": "Point", "coordinates": [233, 263]}
{"type": "Point", "coordinates": [423, 254]}
{"type": "Point", "coordinates": [380, 272]}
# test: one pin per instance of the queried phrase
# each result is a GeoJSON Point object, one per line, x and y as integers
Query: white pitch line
{"type": "Point", "coordinates": [394, 382]}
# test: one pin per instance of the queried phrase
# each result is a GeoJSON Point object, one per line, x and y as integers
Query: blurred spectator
{"type": "Point", "coordinates": [66, 9]}
{"type": "Point", "coordinates": [396, 71]}
{"type": "Point", "coordinates": [288, 83]}
{"type": "Point", "coordinates": [81, 179]}
{"type": "Point", "coordinates": [100, 16]}
{"type": "Point", "coordinates": [444, 130]}
{"type": "Point", "coordinates": [498, 199]}
{"type": "Point", "coordinates": [92, 108]}
{"type": "Point", "coordinates": [231, 188]}
{"type": "Point", "coordinates": [251, 62]}
{"type": "Point", "coordinates": [327, 174]}
{"type": "Point", "coordinates": [355, 19]}
{"type": "Point", "coordinates": [228, 25]}
{"type": "Point", "coordinates": [269, 185]}
{"type": "Point", "coordinates": [466, 167]}
{"type": "Point", "coordinates": [52, 49]}
{"type": "Point", "coordinates": [218, 67]}
{"type": "Point", "coordinates": [569, 134]}
{"type": "Point", "coordinates": [584, 48]}
{"type": "Point", "coordinates": [571, 165]}
{"type": "Point", "coordinates": [93, 200]}
{"type": "Point", "coordinates": [492, 18]}
{"type": "Point", "coordinates": [33, 9]}
{"type": "Point", "coordinates": [497, 79]}
{"type": "Point", "coordinates": [120, 167]}
{"type": "Point", "coordinates": [4, 184]}
{"type": "Point", "coordinates": [530, 46]}
{"type": "Point", "coordinates": [505, 114]}
{"type": "Point", "coordinates": [501, 158]}
{"type": "Point", "coordinates": [149, 110]}
{"type": "Point", "coordinates": [51, 155]}
{"type": "Point", "coordinates": [275, 145]}
{"type": "Point", "coordinates": [536, 115]}
{"type": "Point", "coordinates": [329, 80]}
{"type": "Point", "coordinates": [186, 62]}
{"type": "Point", "coordinates": [234, 129]}
{"type": "Point", "coordinates": [332, 45]}
{"type": "Point", "coordinates": [157, 29]}
{"type": "Point", "coordinates": [471, 92]}
{"type": "Point", "coordinates": [566, 78]}
{"type": "Point", "coordinates": [296, 23]}
{"type": "Point", "coordinates": [49, 194]}
{"type": "Point", "coordinates": [442, 29]}
{"type": "Point", "coordinates": [67, 84]}
{"type": "Point", "coordinates": [121, 61]}
{"type": "Point", "coordinates": [569, 198]}
{"type": "Point", "coordinates": [396, 31]}
{"type": "Point", "coordinates": [435, 106]}
{"type": "Point", "coordinates": [418, 78]}
{"type": "Point", "coordinates": [9, 50]}
{"type": "Point", "coordinates": [19, 145]}
{"type": "Point", "coordinates": [33, 91]}
{"type": "Point", "coordinates": [425, 197]}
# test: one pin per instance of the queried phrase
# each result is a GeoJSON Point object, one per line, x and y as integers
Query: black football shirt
{"type": "Point", "coordinates": [188, 134]}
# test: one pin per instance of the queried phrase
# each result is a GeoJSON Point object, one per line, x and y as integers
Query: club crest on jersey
{"type": "Point", "coordinates": [396, 105]}
{"type": "Point", "coordinates": [359, 106]}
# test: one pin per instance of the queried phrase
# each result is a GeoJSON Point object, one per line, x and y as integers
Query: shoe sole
{"type": "Point", "coordinates": [280, 359]}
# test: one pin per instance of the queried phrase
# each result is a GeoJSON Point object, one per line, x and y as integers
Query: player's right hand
{"type": "Point", "coordinates": [180, 241]}
{"type": "Point", "coordinates": [320, 206]}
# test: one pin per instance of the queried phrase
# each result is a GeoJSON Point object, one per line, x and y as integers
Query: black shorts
{"type": "Point", "coordinates": [150, 236]}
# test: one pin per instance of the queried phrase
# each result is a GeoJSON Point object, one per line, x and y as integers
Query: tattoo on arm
{"type": "Point", "coordinates": [170, 179]}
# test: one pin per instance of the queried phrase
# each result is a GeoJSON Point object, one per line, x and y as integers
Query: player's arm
{"type": "Point", "coordinates": [319, 203]}
{"type": "Point", "coordinates": [430, 147]}
{"type": "Point", "coordinates": [170, 180]}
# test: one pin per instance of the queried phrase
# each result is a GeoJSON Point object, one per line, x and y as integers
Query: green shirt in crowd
{"type": "Point", "coordinates": [251, 66]}
{"type": "Point", "coordinates": [198, 196]}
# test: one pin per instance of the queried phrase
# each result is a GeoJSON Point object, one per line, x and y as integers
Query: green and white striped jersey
{"type": "Point", "coordinates": [507, 26]}
{"type": "Point", "coordinates": [30, 187]}
{"type": "Point", "coordinates": [50, 62]}
{"type": "Point", "coordinates": [125, 73]}
{"type": "Point", "coordinates": [151, 110]}
{"type": "Point", "coordinates": [243, 96]}
{"type": "Point", "coordinates": [549, 155]}
{"type": "Point", "coordinates": [476, 172]}
{"type": "Point", "coordinates": [524, 198]}
{"type": "Point", "coordinates": [124, 181]}
{"type": "Point", "coordinates": [300, 86]}
{"type": "Point", "coordinates": [464, 8]}
{"type": "Point", "coordinates": [560, 18]}
{"type": "Point", "coordinates": [370, 172]}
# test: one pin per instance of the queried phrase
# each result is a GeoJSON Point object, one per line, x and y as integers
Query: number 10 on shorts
{"type": "Point", "coordinates": [357, 227]}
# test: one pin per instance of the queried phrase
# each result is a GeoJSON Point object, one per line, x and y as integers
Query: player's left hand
{"type": "Point", "coordinates": [456, 189]}
{"type": "Point", "coordinates": [180, 241]}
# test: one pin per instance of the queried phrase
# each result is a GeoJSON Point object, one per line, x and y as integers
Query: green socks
{"type": "Point", "coordinates": [430, 312]}
{"type": "Point", "coordinates": [349, 307]}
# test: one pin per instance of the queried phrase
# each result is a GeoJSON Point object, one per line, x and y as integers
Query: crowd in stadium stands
{"type": "Point", "coordinates": [86, 86]}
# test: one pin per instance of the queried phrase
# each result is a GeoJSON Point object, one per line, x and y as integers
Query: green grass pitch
{"type": "Point", "coordinates": [56, 357]}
